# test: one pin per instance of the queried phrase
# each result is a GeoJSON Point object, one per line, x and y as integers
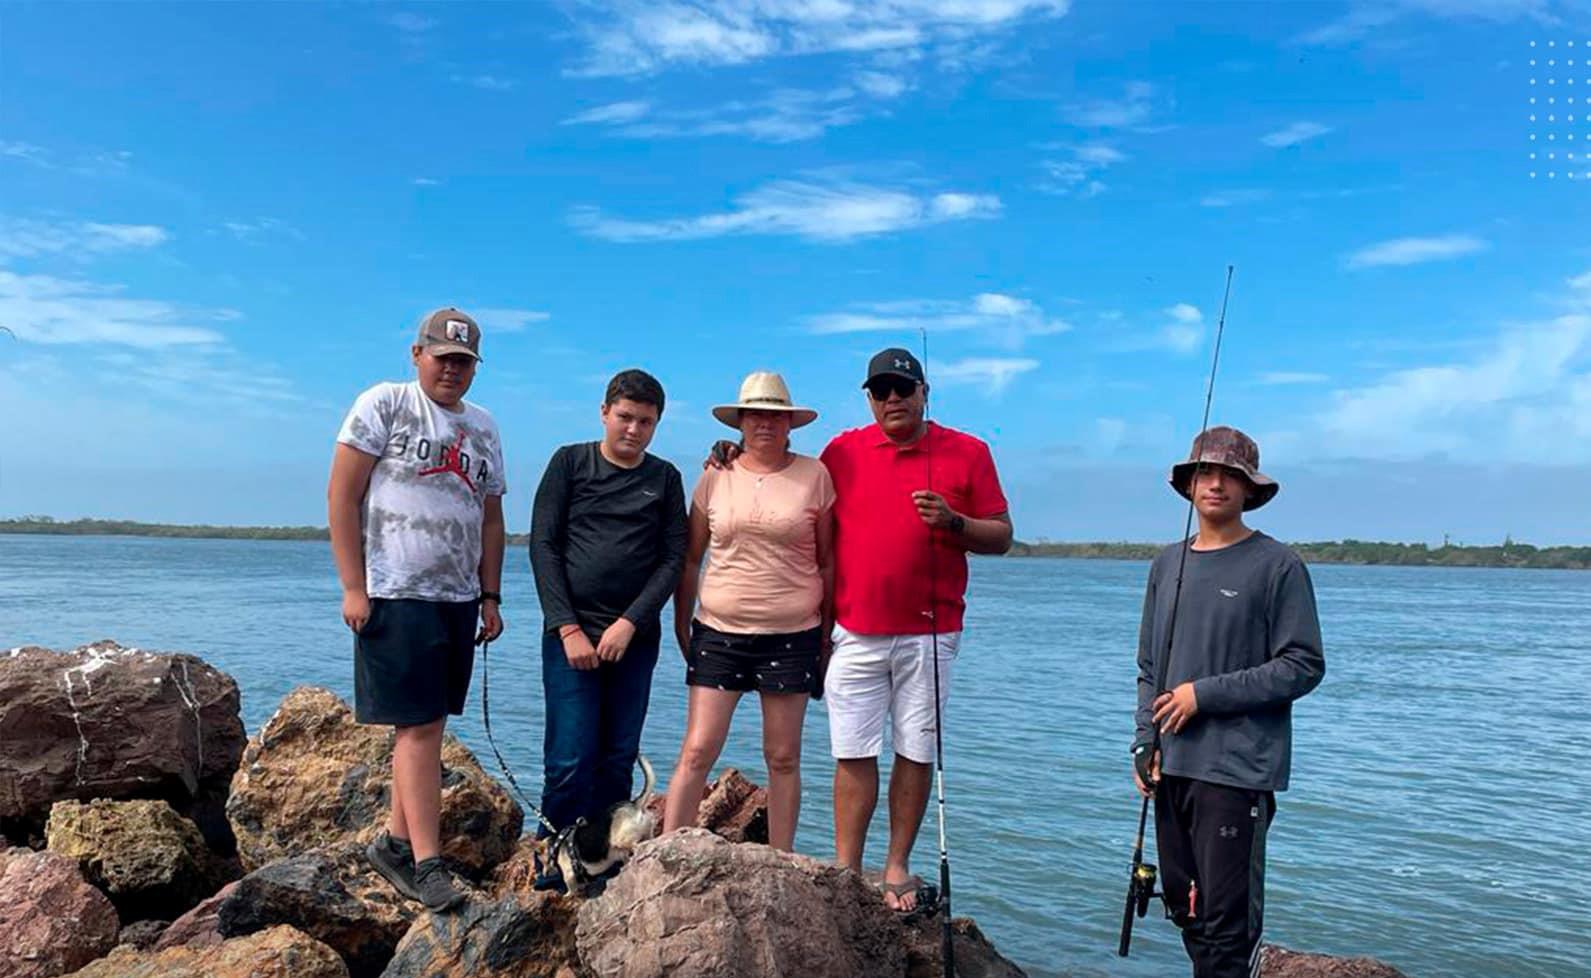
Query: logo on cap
{"type": "Point", "coordinates": [458, 331]}
{"type": "Point", "coordinates": [902, 364]}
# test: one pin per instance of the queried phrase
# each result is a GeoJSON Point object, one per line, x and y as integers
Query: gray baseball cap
{"type": "Point", "coordinates": [447, 330]}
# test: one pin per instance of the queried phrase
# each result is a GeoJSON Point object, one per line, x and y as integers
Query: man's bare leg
{"type": "Point", "coordinates": [855, 797]}
{"type": "Point", "coordinates": [909, 782]}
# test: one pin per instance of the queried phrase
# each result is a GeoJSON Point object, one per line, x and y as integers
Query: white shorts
{"type": "Point", "coordinates": [874, 676]}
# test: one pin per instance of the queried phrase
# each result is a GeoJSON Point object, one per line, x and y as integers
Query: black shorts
{"type": "Point", "coordinates": [753, 663]}
{"type": "Point", "coordinates": [413, 660]}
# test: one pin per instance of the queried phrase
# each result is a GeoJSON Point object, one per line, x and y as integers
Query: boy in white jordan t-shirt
{"type": "Point", "coordinates": [416, 516]}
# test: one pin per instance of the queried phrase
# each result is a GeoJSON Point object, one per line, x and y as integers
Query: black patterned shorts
{"type": "Point", "coordinates": [772, 663]}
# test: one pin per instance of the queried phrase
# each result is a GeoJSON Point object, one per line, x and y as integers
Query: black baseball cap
{"type": "Point", "coordinates": [894, 362]}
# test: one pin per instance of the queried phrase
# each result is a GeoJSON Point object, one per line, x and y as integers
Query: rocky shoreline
{"type": "Point", "coordinates": [148, 837]}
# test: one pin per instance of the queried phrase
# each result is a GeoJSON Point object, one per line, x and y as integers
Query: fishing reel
{"type": "Point", "coordinates": [1140, 890]}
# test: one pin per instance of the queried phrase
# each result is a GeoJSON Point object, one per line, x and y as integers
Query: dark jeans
{"type": "Point", "coordinates": [594, 721]}
{"type": "Point", "coordinates": [1213, 837]}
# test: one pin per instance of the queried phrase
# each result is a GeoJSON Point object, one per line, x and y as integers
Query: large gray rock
{"type": "Point", "coordinates": [330, 894]}
{"type": "Point", "coordinates": [51, 920]}
{"type": "Point", "coordinates": [313, 778]}
{"type": "Point", "coordinates": [692, 903]}
{"type": "Point", "coordinates": [105, 721]}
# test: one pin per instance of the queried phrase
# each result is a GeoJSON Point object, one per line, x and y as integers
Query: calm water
{"type": "Point", "coordinates": [1439, 817]}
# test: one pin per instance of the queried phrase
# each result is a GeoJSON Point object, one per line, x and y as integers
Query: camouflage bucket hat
{"type": "Point", "coordinates": [1232, 449]}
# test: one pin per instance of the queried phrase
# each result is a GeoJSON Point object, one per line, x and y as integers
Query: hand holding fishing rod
{"type": "Point", "coordinates": [936, 504]}
{"type": "Point", "coordinates": [1146, 757]}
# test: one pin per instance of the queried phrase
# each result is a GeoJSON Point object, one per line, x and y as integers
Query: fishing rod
{"type": "Point", "coordinates": [947, 949]}
{"type": "Point", "coordinates": [1141, 878]}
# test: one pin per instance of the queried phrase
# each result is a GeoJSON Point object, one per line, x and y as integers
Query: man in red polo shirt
{"type": "Point", "coordinates": [913, 498]}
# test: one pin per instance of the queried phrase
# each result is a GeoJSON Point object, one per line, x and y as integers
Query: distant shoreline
{"type": "Point", "coordinates": [1508, 554]}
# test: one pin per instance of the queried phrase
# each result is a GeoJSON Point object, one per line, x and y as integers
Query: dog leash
{"type": "Point", "coordinates": [486, 721]}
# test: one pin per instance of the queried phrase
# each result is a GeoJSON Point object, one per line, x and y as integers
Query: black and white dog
{"type": "Point", "coordinates": [591, 847]}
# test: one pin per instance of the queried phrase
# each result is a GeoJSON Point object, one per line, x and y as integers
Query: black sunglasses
{"type": "Point", "coordinates": [879, 388]}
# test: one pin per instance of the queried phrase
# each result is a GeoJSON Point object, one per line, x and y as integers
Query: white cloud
{"type": "Point", "coordinates": [828, 212]}
{"type": "Point", "coordinates": [425, 182]}
{"type": "Point", "coordinates": [1185, 330]}
{"type": "Point", "coordinates": [1525, 398]}
{"type": "Point", "coordinates": [1006, 320]}
{"type": "Point", "coordinates": [1132, 109]}
{"type": "Point", "coordinates": [1292, 135]}
{"type": "Point", "coordinates": [1285, 378]}
{"type": "Point", "coordinates": [37, 155]}
{"type": "Point", "coordinates": [632, 37]}
{"type": "Point", "coordinates": [410, 23]}
{"type": "Point", "coordinates": [880, 85]}
{"type": "Point", "coordinates": [1581, 281]}
{"type": "Point", "coordinates": [782, 116]}
{"type": "Point", "coordinates": [22, 238]}
{"type": "Point", "coordinates": [55, 311]}
{"type": "Point", "coordinates": [992, 373]}
{"type": "Point", "coordinates": [1233, 198]}
{"type": "Point", "coordinates": [487, 83]}
{"type": "Point", "coordinates": [505, 320]}
{"type": "Point", "coordinates": [1415, 251]}
{"type": "Point", "coordinates": [1078, 176]}
{"type": "Point", "coordinates": [613, 112]}
{"type": "Point", "coordinates": [1365, 18]}
{"type": "Point", "coordinates": [252, 232]}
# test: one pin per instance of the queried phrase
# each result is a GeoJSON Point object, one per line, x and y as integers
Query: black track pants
{"type": "Point", "coordinates": [1212, 871]}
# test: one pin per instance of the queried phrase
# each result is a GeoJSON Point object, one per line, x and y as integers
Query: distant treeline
{"type": "Point", "coordinates": [1507, 554]}
{"type": "Point", "coordinates": [195, 531]}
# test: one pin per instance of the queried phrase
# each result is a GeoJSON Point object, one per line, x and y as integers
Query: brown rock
{"type": "Point", "coordinates": [1279, 962]}
{"type": "Point", "coordinates": [516, 873]}
{"type": "Point", "coordinates": [732, 807]}
{"type": "Point", "coordinates": [199, 927]}
{"type": "Point", "coordinates": [313, 778]}
{"type": "Point", "coordinates": [330, 894]}
{"type": "Point", "coordinates": [975, 955]}
{"type": "Point", "coordinates": [521, 935]}
{"type": "Point", "coordinates": [280, 952]}
{"type": "Point", "coordinates": [104, 721]}
{"type": "Point", "coordinates": [150, 861]}
{"type": "Point", "coordinates": [51, 920]}
{"type": "Point", "coordinates": [141, 935]}
{"type": "Point", "coordinates": [691, 903]}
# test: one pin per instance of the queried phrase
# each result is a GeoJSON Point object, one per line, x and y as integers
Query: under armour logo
{"type": "Point", "coordinates": [902, 364]}
{"type": "Point", "coordinates": [1228, 831]}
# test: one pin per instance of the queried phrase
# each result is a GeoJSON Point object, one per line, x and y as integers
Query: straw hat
{"type": "Point", "coordinates": [764, 390]}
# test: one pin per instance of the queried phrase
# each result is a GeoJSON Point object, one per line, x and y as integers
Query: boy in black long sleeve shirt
{"type": "Point", "coordinates": [607, 545]}
{"type": "Point", "coordinates": [1246, 644]}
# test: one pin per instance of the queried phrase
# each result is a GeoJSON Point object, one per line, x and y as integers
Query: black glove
{"type": "Point", "coordinates": [1143, 759]}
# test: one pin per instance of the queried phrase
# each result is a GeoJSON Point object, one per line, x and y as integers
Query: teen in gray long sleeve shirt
{"type": "Point", "coordinates": [1248, 639]}
{"type": "Point", "coordinates": [1246, 645]}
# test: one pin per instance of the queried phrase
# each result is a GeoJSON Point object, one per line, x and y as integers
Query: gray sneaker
{"type": "Point", "coordinates": [394, 860]}
{"type": "Point", "coordinates": [435, 885]}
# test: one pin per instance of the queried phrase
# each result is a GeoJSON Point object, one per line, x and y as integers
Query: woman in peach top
{"type": "Point", "coordinates": [766, 601]}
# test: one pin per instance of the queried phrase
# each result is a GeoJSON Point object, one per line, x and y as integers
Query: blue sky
{"type": "Point", "coordinates": [220, 221]}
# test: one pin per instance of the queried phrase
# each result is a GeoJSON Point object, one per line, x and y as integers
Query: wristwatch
{"type": "Point", "coordinates": [958, 523]}
{"type": "Point", "coordinates": [492, 596]}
